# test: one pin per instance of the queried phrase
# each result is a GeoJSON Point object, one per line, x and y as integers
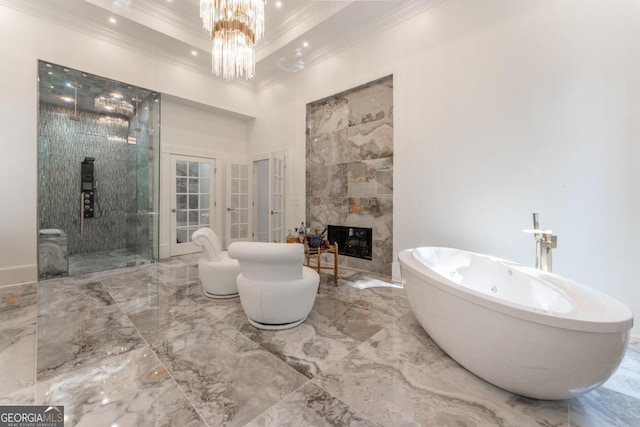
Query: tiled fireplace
{"type": "Point", "coordinates": [349, 168]}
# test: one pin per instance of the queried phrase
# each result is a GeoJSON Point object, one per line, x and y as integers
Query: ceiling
{"type": "Point", "coordinates": [173, 30]}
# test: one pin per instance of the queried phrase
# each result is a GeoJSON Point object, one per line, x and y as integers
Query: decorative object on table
{"type": "Point", "coordinates": [302, 233]}
{"type": "Point", "coordinates": [276, 290]}
{"type": "Point", "coordinates": [290, 238]}
{"type": "Point", "coordinates": [314, 240]}
{"type": "Point", "coordinates": [217, 271]}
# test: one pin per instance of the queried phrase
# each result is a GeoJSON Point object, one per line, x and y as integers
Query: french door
{"type": "Point", "coordinates": [269, 197]}
{"type": "Point", "coordinates": [277, 198]}
{"type": "Point", "coordinates": [237, 202]}
{"type": "Point", "coordinates": [192, 200]}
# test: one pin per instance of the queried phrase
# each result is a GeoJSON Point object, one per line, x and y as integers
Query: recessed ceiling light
{"type": "Point", "coordinates": [50, 73]}
{"type": "Point", "coordinates": [112, 20]}
{"type": "Point", "coordinates": [66, 99]}
{"type": "Point", "coordinates": [305, 44]}
{"type": "Point", "coordinates": [115, 95]}
{"type": "Point", "coordinates": [278, 4]}
{"type": "Point", "coordinates": [194, 52]}
{"type": "Point", "coordinates": [48, 65]}
{"type": "Point", "coordinates": [51, 87]}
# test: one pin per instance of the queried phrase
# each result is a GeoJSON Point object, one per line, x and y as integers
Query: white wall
{"type": "Point", "coordinates": [501, 108]}
{"type": "Point", "coordinates": [27, 39]}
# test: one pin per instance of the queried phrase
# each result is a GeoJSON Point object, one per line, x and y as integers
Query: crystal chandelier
{"type": "Point", "coordinates": [235, 26]}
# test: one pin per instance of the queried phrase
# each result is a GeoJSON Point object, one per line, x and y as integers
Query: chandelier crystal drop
{"type": "Point", "coordinates": [234, 26]}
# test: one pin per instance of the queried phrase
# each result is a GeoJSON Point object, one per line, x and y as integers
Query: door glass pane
{"type": "Point", "coordinates": [181, 235]}
{"type": "Point", "coordinates": [193, 185]}
{"type": "Point", "coordinates": [204, 170]}
{"type": "Point", "coordinates": [181, 185]}
{"type": "Point", "coordinates": [181, 202]}
{"type": "Point", "coordinates": [204, 218]}
{"type": "Point", "coordinates": [181, 219]}
{"type": "Point", "coordinates": [204, 202]}
{"type": "Point", "coordinates": [181, 168]}
{"type": "Point", "coordinates": [194, 169]}
{"type": "Point", "coordinates": [204, 185]}
{"type": "Point", "coordinates": [193, 202]}
{"type": "Point", "coordinates": [193, 218]}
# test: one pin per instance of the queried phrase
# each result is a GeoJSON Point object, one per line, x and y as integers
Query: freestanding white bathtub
{"type": "Point", "coordinates": [533, 333]}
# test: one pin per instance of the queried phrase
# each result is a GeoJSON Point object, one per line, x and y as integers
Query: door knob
{"type": "Point", "coordinates": [230, 209]}
{"type": "Point", "coordinates": [174, 210]}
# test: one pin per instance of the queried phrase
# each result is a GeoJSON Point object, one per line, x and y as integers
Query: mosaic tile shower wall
{"type": "Point", "coordinates": [64, 143]}
{"type": "Point", "coordinates": [349, 167]}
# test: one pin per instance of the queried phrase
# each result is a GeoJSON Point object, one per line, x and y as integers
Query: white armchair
{"type": "Point", "coordinates": [276, 290]}
{"type": "Point", "coordinates": [217, 271]}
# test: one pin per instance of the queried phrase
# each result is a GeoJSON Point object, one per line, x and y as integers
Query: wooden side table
{"type": "Point", "coordinates": [316, 254]}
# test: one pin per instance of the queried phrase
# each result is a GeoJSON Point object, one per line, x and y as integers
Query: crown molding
{"type": "Point", "coordinates": [358, 35]}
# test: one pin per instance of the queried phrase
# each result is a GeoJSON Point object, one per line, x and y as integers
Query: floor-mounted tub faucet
{"type": "Point", "coordinates": [545, 241]}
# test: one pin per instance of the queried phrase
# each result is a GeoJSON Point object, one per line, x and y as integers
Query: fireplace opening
{"type": "Point", "coordinates": [352, 241]}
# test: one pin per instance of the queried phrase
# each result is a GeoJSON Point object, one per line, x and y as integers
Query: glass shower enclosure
{"type": "Point", "coordinates": [98, 173]}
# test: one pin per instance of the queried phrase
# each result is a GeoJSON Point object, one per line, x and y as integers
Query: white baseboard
{"type": "Point", "coordinates": [395, 272]}
{"type": "Point", "coordinates": [18, 274]}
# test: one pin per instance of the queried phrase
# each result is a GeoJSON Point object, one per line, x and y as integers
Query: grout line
{"type": "Point", "coordinates": [346, 404]}
{"type": "Point", "coordinates": [279, 401]}
{"type": "Point", "coordinates": [158, 359]}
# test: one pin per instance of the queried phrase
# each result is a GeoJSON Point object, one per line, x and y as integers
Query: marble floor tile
{"type": "Point", "coordinates": [311, 406]}
{"type": "Point", "coordinates": [604, 407]}
{"type": "Point", "coordinates": [127, 389]}
{"type": "Point", "coordinates": [18, 313]}
{"type": "Point", "coordinates": [143, 346]}
{"type": "Point", "coordinates": [218, 307]}
{"type": "Point", "coordinates": [331, 331]}
{"type": "Point", "coordinates": [397, 379]}
{"type": "Point", "coordinates": [229, 379]}
{"type": "Point", "coordinates": [154, 315]}
{"type": "Point", "coordinates": [76, 330]}
{"type": "Point", "coordinates": [371, 296]}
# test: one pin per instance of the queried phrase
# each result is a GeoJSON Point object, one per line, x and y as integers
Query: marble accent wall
{"type": "Point", "coordinates": [349, 167]}
{"type": "Point", "coordinates": [121, 191]}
